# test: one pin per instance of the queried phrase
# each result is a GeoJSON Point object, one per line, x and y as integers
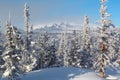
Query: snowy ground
{"type": "Point", "coordinates": [68, 74]}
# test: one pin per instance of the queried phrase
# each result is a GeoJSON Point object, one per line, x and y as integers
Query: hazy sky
{"type": "Point", "coordinates": [51, 11]}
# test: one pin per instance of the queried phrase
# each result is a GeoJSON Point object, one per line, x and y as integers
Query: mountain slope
{"type": "Point", "coordinates": [57, 28]}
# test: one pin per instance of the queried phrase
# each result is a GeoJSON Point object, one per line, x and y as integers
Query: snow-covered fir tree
{"type": "Point", "coordinates": [65, 48]}
{"type": "Point", "coordinates": [86, 37]}
{"type": "Point", "coordinates": [46, 52]}
{"type": "Point", "coordinates": [1, 48]}
{"type": "Point", "coordinates": [113, 45]}
{"type": "Point", "coordinates": [28, 52]}
{"type": "Point", "coordinates": [60, 57]}
{"type": "Point", "coordinates": [86, 57]}
{"type": "Point", "coordinates": [27, 25]}
{"type": "Point", "coordinates": [117, 50]}
{"type": "Point", "coordinates": [74, 57]}
{"type": "Point", "coordinates": [12, 54]}
{"type": "Point", "coordinates": [104, 58]}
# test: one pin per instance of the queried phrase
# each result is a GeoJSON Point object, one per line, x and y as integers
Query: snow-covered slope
{"type": "Point", "coordinates": [69, 73]}
{"type": "Point", "coordinates": [62, 74]}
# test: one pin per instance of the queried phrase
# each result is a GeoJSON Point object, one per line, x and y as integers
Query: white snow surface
{"type": "Point", "coordinates": [69, 73]}
{"type": "Point", "coordinates": [111, 77]}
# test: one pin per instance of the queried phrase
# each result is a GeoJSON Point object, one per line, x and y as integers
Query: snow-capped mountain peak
{"type": "Point", "coordinates": [57, 27]}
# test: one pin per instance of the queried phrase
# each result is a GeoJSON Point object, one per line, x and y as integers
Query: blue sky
{"type": "Point", "coordinates": [51, 11]}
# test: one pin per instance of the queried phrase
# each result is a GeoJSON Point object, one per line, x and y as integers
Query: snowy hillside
{"type": "Point", "coordinates": [69, 73]}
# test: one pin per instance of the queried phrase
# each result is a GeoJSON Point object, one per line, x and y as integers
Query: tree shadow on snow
{"type": "Point", "coordinates": [65, 73]}
{"type": "Point", "coordinates": [62, 73]}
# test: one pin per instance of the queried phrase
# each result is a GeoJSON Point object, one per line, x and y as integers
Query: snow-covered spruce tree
{"type": "Point", "coordinates": [60, 58]}
{"type": "Point", "coordinates": [12, 55]}
{"type": "Point", "coordinates": [86, 58]}
{"type": "Point", "coordinates": [46, 52]}
{"type": "Point", "coordinates": [113, 46]}
{"type": "Point", "coordinates": [112, 49]}
{"type": "Point", "coordinates": [52, 51]}
{"type": "Point", "coordinates": [117, 50]}
{"type": "Point", "coordinates": [65, 48]}
{"type": "Point", "coordinates": [74, 58]}
{"type": "Point", "coordinates": [28, 52]}
{"type": "Point", "coordinates": [86, 31]}
{"type": "Point", "coordinates": [1, 49]}
{"type": "Point", "coordinates": [31, 34]}
{"type": "Point", "coordinates": [17, 38]}
{"type": "Point", "coordinates": [96, 49]}
{"type": "Point", "coordinates": [27, 25]}
{"type": "Point", "coordinates": [105, 25]}
{"type": "Point", "coordinates": [80, 39]}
